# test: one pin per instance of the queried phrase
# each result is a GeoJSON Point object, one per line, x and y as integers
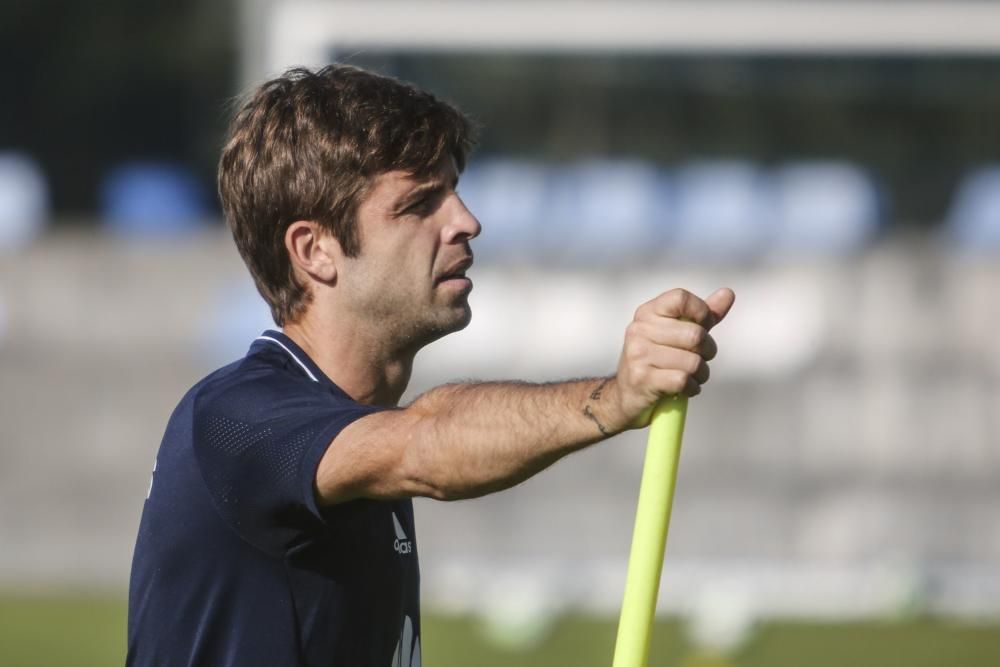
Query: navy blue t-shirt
{"type": "Point", "coordinates": [235, 564]}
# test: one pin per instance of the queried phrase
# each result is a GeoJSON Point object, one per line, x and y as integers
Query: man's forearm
{"type": "Point", "coordinates": [472, 439]}
{"type": "Point", "coordinates": [464, 440]}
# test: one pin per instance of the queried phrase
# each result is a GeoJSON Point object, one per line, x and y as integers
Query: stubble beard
{"type": "Point", "coordinates": [405, 326]}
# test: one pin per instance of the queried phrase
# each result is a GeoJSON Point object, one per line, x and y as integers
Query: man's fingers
{"type": "Point", "coordinates": [680, 304]}
{"type": "Point", "coordinates": [670, 382]}
{"type": "Point", "coordinates": [719, 302]}
{"type": "Point", "coordinates": [682, 335]}
{"type": "Point", "coordinates": [708, 349]}
{"type": "Point", "coordinates": [691, 363]}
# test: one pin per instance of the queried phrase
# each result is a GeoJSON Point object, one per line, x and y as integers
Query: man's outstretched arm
{"type": "Point", "coordinates": [465, 440]}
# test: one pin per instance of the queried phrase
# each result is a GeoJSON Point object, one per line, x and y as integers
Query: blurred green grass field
{"type": "Point", "coordinates": [84, 631]}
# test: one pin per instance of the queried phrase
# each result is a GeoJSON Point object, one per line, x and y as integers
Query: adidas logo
{"type": "Point", "coordinates": [402, 545]}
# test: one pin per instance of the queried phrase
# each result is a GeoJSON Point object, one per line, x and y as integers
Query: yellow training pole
{"type": "Point", "coordinates": [649, 539]}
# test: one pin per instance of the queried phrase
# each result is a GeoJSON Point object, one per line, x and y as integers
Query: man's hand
{"type": "Point", "coordinates": [666, 352]}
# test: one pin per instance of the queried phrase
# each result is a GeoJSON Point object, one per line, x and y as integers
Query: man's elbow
{"type": "Point", "coordinates": [421, 482]}
{"type": "Point", "coordinates": [427, 478]}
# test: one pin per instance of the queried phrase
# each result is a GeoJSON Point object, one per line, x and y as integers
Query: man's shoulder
{"type": "Point", "coordinates": [250, 386]}
{"type": "Point", "coordinates": [259, 387]}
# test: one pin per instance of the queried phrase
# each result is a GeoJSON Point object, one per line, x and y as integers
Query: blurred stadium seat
{"type": "Point", "coordinates": [152, 199]}
{"type": "Point", "coordinates": [973, 222]}
{"type": "Point", "coordinates": [824, 208]}
{"type": "Point", "coordinates": [722, 211]}
{"type": "Point", "coordinates": [508, 196]}
{"type": "Point", "coordinates": [606, 210]}
{"type": "Point", "coordinates": [24, 200]}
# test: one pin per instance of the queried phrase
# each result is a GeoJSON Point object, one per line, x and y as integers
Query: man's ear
{"type": "Point", "coordinates": [312, 250]}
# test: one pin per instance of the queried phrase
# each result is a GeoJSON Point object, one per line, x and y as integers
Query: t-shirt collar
{"type": "Point", "coordinates": [298, 355]}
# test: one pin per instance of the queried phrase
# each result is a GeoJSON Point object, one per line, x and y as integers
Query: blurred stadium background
{"type": "Point", "coordinates": [836, 163]}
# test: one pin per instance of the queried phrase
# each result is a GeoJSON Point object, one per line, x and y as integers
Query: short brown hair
{"type": "Point", "coordinates": [307, 146]}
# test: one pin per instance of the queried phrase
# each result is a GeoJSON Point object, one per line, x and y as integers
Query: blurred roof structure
{"type": "Point", "coordinates": [281, 33]}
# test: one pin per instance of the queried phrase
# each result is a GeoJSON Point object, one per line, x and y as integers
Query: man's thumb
{"type": "Point", "coordinates": [719, 302]}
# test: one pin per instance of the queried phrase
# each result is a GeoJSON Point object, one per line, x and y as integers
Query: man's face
{"type": "Point", "coordinates": [409, 278]}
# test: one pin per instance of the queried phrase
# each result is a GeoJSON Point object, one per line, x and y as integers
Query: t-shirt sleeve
{"type": "Point", "coordinates": [258, 447]}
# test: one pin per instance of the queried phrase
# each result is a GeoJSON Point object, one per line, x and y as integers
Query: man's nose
{"type": "Point", "coordinates": [463, 225]}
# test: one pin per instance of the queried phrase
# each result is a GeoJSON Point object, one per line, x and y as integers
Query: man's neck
{"type": "Point", "coordinates": [357, 361]}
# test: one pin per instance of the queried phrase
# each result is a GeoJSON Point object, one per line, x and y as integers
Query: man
{"type": "Point", "coordinates": [279, 529]}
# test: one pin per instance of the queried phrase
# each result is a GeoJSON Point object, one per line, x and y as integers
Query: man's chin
{"type": "Point", "coordinates": [465, 315]}
{"type": "Point", "coordinates": [461, 317]}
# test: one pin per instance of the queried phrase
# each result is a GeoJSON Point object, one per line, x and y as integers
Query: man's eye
{"type": "Point", "coordinates": [424, 205]}
{"type": "Point", "coordinates": [419, 206]}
